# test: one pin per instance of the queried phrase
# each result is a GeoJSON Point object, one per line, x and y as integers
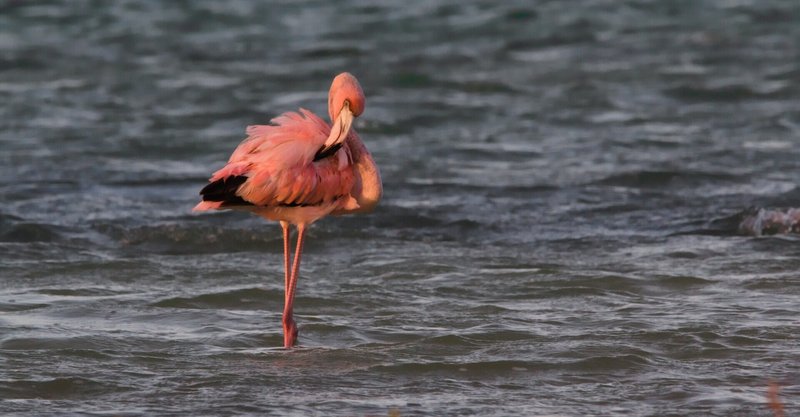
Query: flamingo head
{"type": "Point", "coordinates": [345, 102]}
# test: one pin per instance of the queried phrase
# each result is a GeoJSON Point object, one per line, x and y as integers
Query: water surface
{"type": "Point", "coordinates": [555, 237]}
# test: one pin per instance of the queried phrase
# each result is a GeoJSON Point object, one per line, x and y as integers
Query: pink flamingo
{"type": "Point", "coordinates": [298, 170]}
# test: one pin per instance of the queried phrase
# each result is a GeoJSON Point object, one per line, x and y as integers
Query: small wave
{"type": "Point", "coordinates": [608, 363]}
{"type": "Point", "coordinates": [400, 217]}
{"type": "Point", "coordinates": [81, 292]}
{"type": "Point", "coordinates": [559, 38]}
{"type": "Point", "coordinates": [521, 14]}
{"type": "Point", "coordinates": [593, 285]}
{"type": "Point", "coordinates": [483, 368]}
{"type": "Point", "coordinates": [451, 341]}
{"type": "Point", "coordinates": [683, 254]}
{"type": "Point", "coordinates": [768, 14]}
{"type": "Point", "coordinates": [411, 80]}
{"type": "Point", "coordinates": [481, 86]}
{"type": "Point", "coordinates": [483, 334]}
{"type": "Point", "coordinates": [56, 388]}
{"type": "Point", "coordinates": [731, 92]}
{"type": "Point", "coordinates": [12, 307]}
{"type": "Point", "coordinates": [655, 179]}
{"type": "Point", "coordinates": [28, 232]}
{"type": "Point", "coordinates": [683, 282]}
{"type": "Point", "coordinates": [61, 344]}
{"type": "Point", "coordinates": [192, 237]}
{"type": "Point", "coordinates": [782, 284]}
{"type": "Point", "coordinates": [239, 299]}
{"type": "Point", "coordinates": [555, 293]}
{"type": "Point", "coordinates": [330, 51]}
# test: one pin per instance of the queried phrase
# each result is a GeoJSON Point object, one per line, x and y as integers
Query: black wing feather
{"type": "Point", "coordinates": [323, 153]}
{"type": "Point", "coordinates": [224, 190]}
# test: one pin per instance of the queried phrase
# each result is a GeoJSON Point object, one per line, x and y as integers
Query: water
{"type": "Point", "coordinates": [556, 236]}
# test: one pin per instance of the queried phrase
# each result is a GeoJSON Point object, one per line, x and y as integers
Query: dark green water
{"type": "Point", "coordinates": [555, 237]}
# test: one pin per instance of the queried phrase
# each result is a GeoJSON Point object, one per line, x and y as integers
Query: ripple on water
{"type": "Point", "coordinates": [728, 92]}
{"type": "Point", "coordinates": [58, 388]}
{"type": "Point", "coordinates": [253, 298]}
{"type": "Point", "coordinates": [10, 307]}
{"type": "Point", "coordinates": [179, 238]}
{"type": "Point", "coordinates": [28, 232]}
{"type": "Point", "coordinates": [44, 343]}
{"type": "Point", "coordinates": [683, 282]}
{"type": "Point", "coordinates": [488, 368]}
{"type": "Point", "coordinates": [661, 179]}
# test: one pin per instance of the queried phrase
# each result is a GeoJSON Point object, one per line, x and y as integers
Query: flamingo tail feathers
{"type": "Point", "coordinates": [222, 193]}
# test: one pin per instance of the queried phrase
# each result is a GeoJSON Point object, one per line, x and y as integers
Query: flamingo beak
{"type": "Point", "coordinates": [340, 129]}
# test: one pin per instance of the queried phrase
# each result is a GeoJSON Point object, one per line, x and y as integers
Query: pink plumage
{"type": "Point", "coordinates": [298, 170]}
{"type": "Point", "coordinates": [278, 161]}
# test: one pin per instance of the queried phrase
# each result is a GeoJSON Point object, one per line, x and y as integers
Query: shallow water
{"type": "Point", "coordinates": [555, 238]}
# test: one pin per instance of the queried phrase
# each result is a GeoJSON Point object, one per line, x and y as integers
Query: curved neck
{"type": "Point", "coordinates": [368, 188]}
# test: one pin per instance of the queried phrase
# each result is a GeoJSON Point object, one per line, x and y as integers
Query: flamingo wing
{"type": "Point", "coordinates": [281, 165]}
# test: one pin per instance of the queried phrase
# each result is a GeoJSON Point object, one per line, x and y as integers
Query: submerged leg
{"type": "Point", "coordinates": [289, 326]}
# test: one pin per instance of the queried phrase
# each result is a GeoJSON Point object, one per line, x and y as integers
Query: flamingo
{"type": "Point", "coordinates": [298, 170]}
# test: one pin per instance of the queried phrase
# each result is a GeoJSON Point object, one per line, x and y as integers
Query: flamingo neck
{"type": "Point", "coordinates": [368, 188]}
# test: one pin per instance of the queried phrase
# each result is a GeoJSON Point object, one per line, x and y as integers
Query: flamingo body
{"type": "Point", "coordinates": [298, 170]}
{"type": "Point", "coordinates": [276, 175]}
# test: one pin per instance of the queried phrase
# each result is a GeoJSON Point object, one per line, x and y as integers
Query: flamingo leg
{"type": "Point", "coordinates": [285, 226]}
{"type": "Point", "coordinates": [289, 325]}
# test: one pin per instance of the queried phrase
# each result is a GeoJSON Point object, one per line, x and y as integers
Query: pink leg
{"type": "Point", "coordinates": [285, 227]}
{"type": "Point", "coordinates": [289, 326]}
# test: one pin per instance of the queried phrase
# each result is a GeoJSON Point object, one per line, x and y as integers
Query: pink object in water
{"type": "Point", "coordinates": [771, 222]}
{"type": "Point", "coordinates": [298, 170]}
